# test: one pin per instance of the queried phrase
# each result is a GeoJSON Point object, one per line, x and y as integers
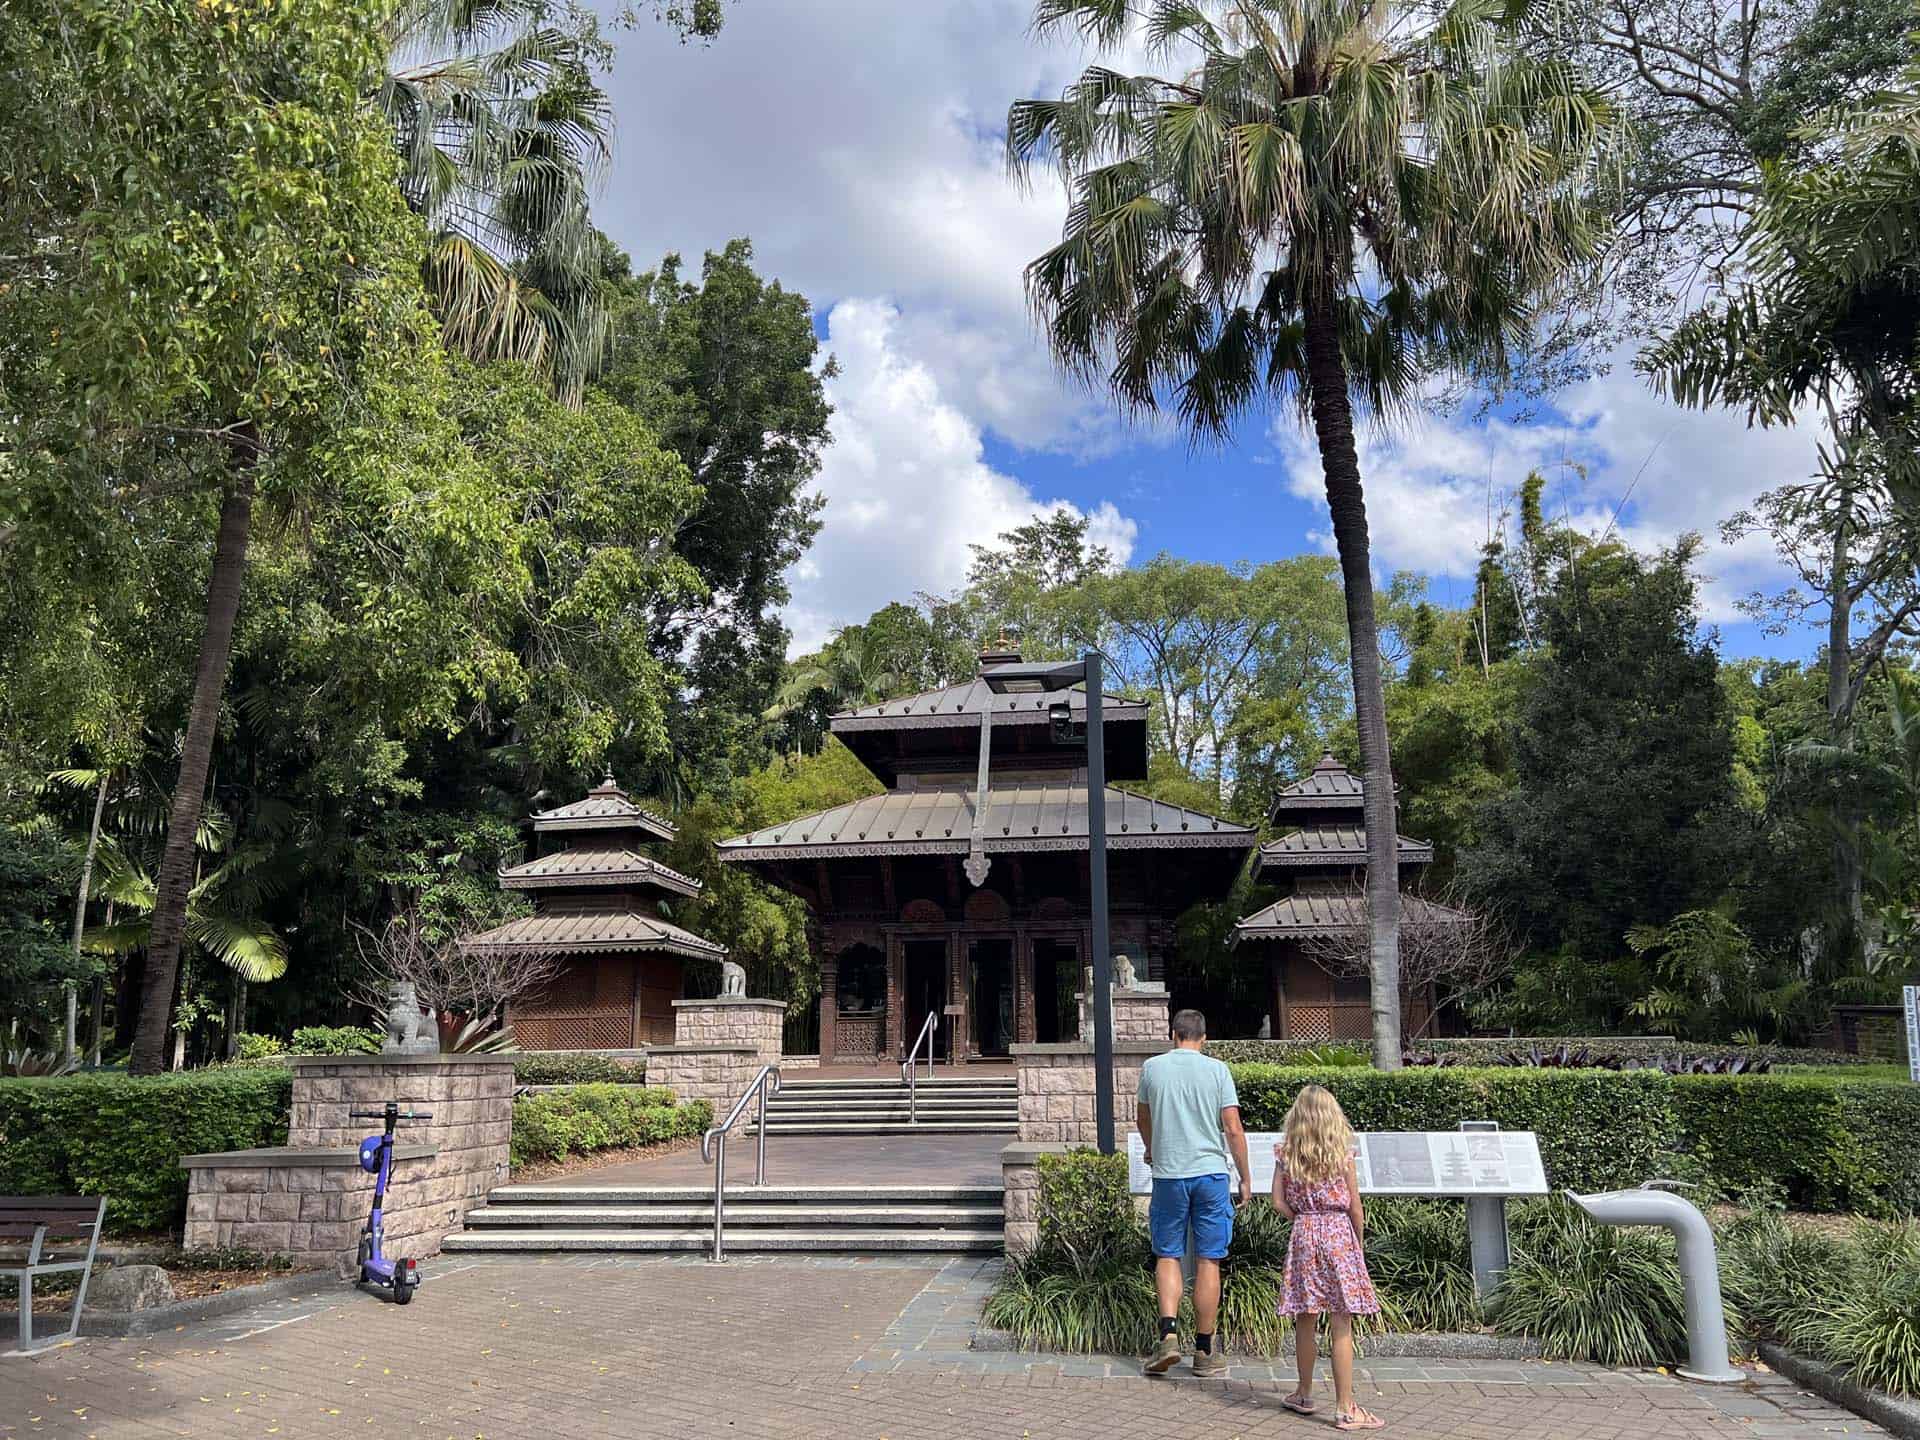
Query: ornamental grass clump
{"type": "Point", "coordinates": [1422, 1268]}
{"type": "Point", "coordinates": [1592, 1292]}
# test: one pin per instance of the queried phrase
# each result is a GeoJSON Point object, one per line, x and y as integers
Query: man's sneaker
{"type": "Point", "coordinates": [1210, 1364]}
{"type": "Point", "coordinates": [1165, 1356]}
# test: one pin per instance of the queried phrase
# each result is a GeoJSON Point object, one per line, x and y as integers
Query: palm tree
{"type": "Point", "coordinates": [1330, 198]}
{"type": "Point", "coordinates": [502, 129]}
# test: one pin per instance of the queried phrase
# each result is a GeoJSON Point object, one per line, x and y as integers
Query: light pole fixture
{"type": "Point", "coordinates": [1040, 678]}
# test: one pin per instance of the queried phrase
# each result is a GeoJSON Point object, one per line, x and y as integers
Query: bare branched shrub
{"type": "Point", "coordinates": [448, 977]}
{"type": "Point", "coordinates": [1447, 949]}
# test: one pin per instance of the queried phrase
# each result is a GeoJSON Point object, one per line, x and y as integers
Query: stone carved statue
{"type": "Point", "coordinates": [1266, 1027]}
{"type": "Point", "coordinates": [733, 981]}
{"type": "Point", "coordinates": [1123, 976]}
{"type": "Point", "coordinates": [407, 1030]}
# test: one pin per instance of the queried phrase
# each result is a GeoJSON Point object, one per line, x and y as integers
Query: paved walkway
{"type": "Point", "coordinates": [775, 1348]}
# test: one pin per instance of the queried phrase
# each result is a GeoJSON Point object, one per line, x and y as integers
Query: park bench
{"type": "Point", "coordinates": [27, 1224]}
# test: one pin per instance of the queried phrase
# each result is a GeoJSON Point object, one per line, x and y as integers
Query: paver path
{"type": "Point", "coordinates": [777, 1348]}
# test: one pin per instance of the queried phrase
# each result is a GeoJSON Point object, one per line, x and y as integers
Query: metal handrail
{"type": "Point", "coordinates": [909, 1067]}
{"type": "Point", "coordinates": [765, 1084]}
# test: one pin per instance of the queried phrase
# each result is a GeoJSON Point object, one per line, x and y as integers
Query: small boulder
{"type": "Point", "coordinates": [131, 1287]}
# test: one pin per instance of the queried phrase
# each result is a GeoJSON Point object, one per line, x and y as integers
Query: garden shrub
{"type": "Point", "coordinates": [122, 1136]}
{"type": "Point", "coordinates": [1494, 1051]}
{"type": "Point", "coordinates": [1085, 1208]}
{"type": "Point", "coordinates": [585, 1118]}
{"type": "Point", "coordinates": [1421, 1264]}
{"type": "Point", "coordinates": [574, 1067]}
{"type": "Point", "coordinates": [260, 1047]}
{"type": "Point", "coordinates": [1597, 1128]}
{"type": "Point", "coordinates": [1591, 1292]}
{"type": "Point", "coordinates": [1830, 1142]}
{"type": "Point", "coordinates": [336, 1040]}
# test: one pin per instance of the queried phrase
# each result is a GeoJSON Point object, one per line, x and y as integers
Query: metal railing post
{"type": "Point", "coordinates": [713, 1146]}
{"type": "Point", "coordinates": [720, 1200]}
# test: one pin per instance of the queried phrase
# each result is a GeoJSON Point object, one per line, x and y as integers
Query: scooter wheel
{"type": "Point", "coordinates": [365, 1253]}
{"type": "Point", "coordinates": [402, 1294]}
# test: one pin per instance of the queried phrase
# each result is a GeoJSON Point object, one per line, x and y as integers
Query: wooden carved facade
{"type": "Point", "coordinates": [601, 905]}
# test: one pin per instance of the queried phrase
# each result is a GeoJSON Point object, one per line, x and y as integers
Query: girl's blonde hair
{"type": "Point", "coordinates": [1318, 1139]}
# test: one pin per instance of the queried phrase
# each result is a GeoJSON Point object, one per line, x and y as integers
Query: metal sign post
{"type": "Point", "coordinates": [1911, 994]}
{"type": "Point", "coordinates": [1486, 1229]}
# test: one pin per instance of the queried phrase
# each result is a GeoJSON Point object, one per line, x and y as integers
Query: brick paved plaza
{"type": "Point", "coordinates": [776, 1348]}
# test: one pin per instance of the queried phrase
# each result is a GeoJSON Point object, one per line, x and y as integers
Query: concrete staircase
{"type": "Point", "coordinates": [863, 1219]}
{"type": "Point", "coordinates": [947, 1105]}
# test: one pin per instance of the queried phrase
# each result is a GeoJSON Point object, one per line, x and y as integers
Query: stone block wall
{"type": "Point", "coordinates": [1057, 1090]}
{"type": "Point", "coordinates": [1020, 1179]}
{"type": "Point", "coordinates": [718, 1074]}
{"type": "Point", "coordinates": [755, 1024]}
{"type": "Point", "coordinates": [309, 1199]}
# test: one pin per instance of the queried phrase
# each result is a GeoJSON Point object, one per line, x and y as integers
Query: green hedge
{"type": "Point", "coordinates": [1830, 1142]}
{"type": "Point", "coordinates": [122, 1136]}
{"type": "Point", "coordinates": [585, 1118]}
{"type": "Point", "coordinates": [574, 1067]}
{"type": "Point", "coordinates": [336, 1040]}
{"type": "Point", "coordinates": [1636, 1047]}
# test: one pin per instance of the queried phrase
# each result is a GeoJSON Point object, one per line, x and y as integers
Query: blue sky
{"type": "Point", "coordinates": [856, 142]}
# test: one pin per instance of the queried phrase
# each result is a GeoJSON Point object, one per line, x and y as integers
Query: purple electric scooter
{"type": "Point", "coordinates": [402, 1277]}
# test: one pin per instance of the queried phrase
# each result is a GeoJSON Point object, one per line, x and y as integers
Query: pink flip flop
{"type": "Point", "coordinates": [1359, 1420]}
{"type": "Point", "coordinates": [1298, 1407]}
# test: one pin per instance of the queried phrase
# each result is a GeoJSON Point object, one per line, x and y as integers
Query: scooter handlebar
{"type": "Point", "coordinates": [381, 1114]}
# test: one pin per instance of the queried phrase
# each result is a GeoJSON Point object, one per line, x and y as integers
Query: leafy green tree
{"type": "Point", "coordinates": [1623, 809]}
{"type": "Point", "coordinates": [1827, 317]}
{"type": "Point", "coordinates": [1326, 200]}
{"type": "Point", "coordinates": [1707, 982]}
{"type": "Point", "coordinates": [726, 372]}
{"type": "Point", "coordinates": [210, 234]}
{"type": "Point", "coordinates": [36, 874]}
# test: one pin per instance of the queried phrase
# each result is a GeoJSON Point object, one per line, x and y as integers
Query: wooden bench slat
{"type": "Point", "coordinates": [75, 1204]}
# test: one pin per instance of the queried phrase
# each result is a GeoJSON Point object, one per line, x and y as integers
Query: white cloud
{"type": "Point", "coordinates": [858, 143]}
{"type": "Point", "coordinates": [1614, 454]}
{"type": "Point", "coordinates": [907, 487]}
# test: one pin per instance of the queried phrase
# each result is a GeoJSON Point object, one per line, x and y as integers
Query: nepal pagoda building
{"type": "Point", "coordinates": [1320, 860]}
{"type": "Point", "coordinates": [601, 904]}
{"type": "Point", "coordinates": [964, 888]}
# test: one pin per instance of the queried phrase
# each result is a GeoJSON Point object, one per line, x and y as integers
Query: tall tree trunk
{"type": "Point", "coordinates": [1848, 881]}
{"type": "Point", "coordinates": [1333, 427]}
{"type": "Point", "coordinates": [80, 911]}
{"type": "Point", "coordinates": [189, 794]}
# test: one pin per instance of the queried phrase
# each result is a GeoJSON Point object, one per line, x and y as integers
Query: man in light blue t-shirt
{"type": "Point", "coordinates": [1189, 1118]}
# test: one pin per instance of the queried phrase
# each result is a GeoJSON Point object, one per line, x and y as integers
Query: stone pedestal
{"type": "Point", "coordinates": [718, 1047]}
{"type": "Point", "coordinates": [1140, 1015]}
{"type": "Point", "coordinates": [309, 1198]}
{"type": "Point", "coordinates": [1057, 1090]}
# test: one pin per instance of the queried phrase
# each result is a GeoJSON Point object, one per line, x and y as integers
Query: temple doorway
{"type": "Point", "coordinates": [992, 1001]}
{"type": "Point", "coordinates": [926, 982]}
{"type": "Point", "coordinates": [1056, 986]}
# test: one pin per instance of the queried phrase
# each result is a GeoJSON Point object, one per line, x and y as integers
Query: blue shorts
{"type": "Point", "coordinates": [1204, 1200]}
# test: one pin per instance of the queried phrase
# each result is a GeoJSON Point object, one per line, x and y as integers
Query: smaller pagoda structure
{"type": "Point", "coordinates": [1320, 861]}
{"type": "Point", "coordinates": [600, 902]}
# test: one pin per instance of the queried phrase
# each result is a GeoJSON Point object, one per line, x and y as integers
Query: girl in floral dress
{"type": "Point", "coordinates": [1316, 1186]}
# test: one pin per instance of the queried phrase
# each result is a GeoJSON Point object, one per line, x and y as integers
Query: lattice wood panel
{"type": "Point", "coordinates": [587, 1006]}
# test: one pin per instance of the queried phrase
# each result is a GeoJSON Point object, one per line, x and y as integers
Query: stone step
{"type": "Point", "coordinates": [1009, 1126]}
{"type": "Point", "coordinates": [838, 1239]}
{"type": "Point", "coordinates": [755, 1194]}
{"type": "Point", "coordinates": [741, 1212]}
{"type": "Point", "coordinates": [899, 1108]}
{"type": "Point", "coordinates": [870, 1092]}
{"type": "Point", "coordinates": [841, 1087]}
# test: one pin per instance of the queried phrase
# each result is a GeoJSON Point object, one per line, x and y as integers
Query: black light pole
{"type": "Point", "coordinates": [1016, 678]}
{"type": "Point", "coordinates": [1097, 880]}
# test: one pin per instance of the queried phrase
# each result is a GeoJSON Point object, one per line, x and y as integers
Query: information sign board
{"type": "Point", "coordinates": [1439, 1162]}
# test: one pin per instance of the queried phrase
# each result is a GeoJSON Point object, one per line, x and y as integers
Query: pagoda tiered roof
{"type": "Point", "coordinates": [605, 807]}
{"type": "Point", "coordinates": [1300, 917]}
{"type": "Point", "coordinates": [597, 867]}
{"type": "Point", "coordinates": [1022, 816]}
{"type": "Point", "coordinates": [573, 934]}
